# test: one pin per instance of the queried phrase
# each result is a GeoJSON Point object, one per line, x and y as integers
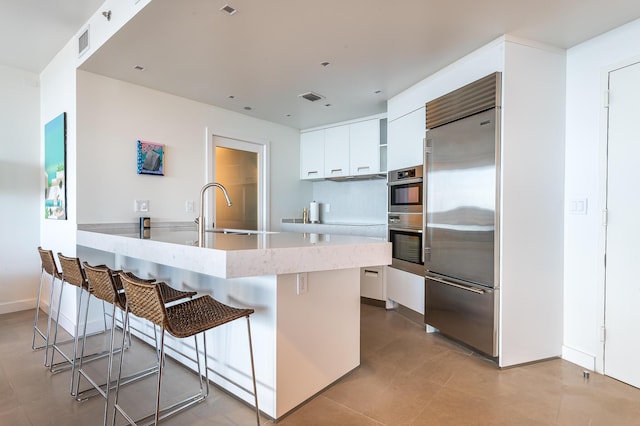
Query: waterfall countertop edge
{"type": "Point", "coordinates": [241, 253]}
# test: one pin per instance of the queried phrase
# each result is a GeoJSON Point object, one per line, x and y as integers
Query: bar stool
{"type": "Point", "coordinates": [73, 274]}
{"type": "Point", "coordinates": [182, 320]}
{"type": "Point", "coordinates": [105, 285]}
{"type": "Point", "coordinates": [50, 268]}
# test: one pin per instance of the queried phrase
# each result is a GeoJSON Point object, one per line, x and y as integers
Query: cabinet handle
{"type": "Point", "coordinates": [370, 273]}
{"type": "Point", "coordinates": [312, 172]}
{"type": "Point", "coordinates": [363, 168]}
{"type": "Point", "coordinates": [335, 170]}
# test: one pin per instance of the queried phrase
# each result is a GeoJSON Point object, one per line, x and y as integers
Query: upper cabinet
{"type": "Point", "coordinates": [312, 155]}
{"type": "Point", "coordinates": [356, 149]}
{"type": "Point", "coordinates": [364, 148]}
{"type": "Point", "coordinates": [336, 151]}
{"type": "Point", "coordinates": [406, 133]}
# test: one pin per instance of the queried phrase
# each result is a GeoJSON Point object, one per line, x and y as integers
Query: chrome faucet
{"type": "Point", "coordinates": [201, 216]}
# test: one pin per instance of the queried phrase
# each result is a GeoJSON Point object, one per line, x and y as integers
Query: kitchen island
{"type": "Point", "coordinates": [304, 288]}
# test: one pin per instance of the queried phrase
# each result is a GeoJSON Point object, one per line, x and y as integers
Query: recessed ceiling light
{"type": "Point", "coordinates": [231, 97]}
{"type": "Point", "coordinates": [226, 8]}
{"type": "Point", "coordinates": [325, 63]}
{"type": "Point", "coordinates": [377, 91]}
{"type": "Point", "coordinates": [287, 115]}
{"type": "Point", "coordinates": [138, 68]}
{"type": "Point", "coordinates": [248, 108]}
{"type": "Point", "coordinates": [327, 105]}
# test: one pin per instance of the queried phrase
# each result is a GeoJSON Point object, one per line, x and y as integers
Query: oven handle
{"type": "Point", "coordinates": [413, 230]}
{"type": "Point", "coordinates": [405, 181]}
{"type": "Point", "coordinates": [460, 286]}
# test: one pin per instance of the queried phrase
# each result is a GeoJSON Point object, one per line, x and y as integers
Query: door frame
{"type": "Point", "coordinates": [262, 148]}
{"type": "Point", "coordinates": [602, 206]}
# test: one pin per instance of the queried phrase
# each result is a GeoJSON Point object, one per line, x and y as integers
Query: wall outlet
{"type": "Point", "coordinates": [141, 206]}
{"type": "Point", "coordinates": [189, 206]}
{"type": "Point", "coordinates": [302, 285]}
{"type": "Point", "coordinates": [327, 207]}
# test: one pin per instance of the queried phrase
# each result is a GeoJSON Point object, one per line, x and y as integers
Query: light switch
{"type": "Point", "coordinates": [141, 206]}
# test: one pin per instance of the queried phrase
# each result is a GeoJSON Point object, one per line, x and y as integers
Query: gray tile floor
{"type": "Point", "coordinates": [407, 377]}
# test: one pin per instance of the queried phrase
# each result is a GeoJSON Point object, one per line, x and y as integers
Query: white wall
{"type": "Point", "coordinates": [113, 115]}
{"type": "Point", "coordinates": [20, 179]}
{"type": "Point", "coordinates": [587, 64]}
{"type": "Point", "coordinates": [57, 95]}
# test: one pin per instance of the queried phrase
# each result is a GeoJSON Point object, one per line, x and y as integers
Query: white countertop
{"type": "Point", "coordinates": [233, 256]}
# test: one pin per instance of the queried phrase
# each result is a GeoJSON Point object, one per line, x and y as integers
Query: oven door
{"type": "Point", "coordinates": [407, 253]}
{"type": "Point", "coordinates": [406, 196]}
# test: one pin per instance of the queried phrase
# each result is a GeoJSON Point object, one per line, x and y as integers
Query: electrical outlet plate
{"type": "Point", "coordinates": [302, 284]}
{"type": "Point", "coordinates": [189, 206]}
{"type": "Point", "coordinates": [141, 206]}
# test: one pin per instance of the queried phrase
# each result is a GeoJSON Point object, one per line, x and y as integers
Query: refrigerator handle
{"type": "Point", "coordinates": [460, 286]}
{"type": "Point", "coordinates": [426, 237]}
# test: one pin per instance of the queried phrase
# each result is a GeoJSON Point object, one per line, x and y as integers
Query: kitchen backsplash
{"type": "Point", "coordinates": [358, 201]}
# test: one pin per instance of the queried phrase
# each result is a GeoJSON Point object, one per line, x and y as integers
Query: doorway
{"type": "Point", "coordinates": [240, 166]}
{"type": "Point", "coordinates": [622, 284]}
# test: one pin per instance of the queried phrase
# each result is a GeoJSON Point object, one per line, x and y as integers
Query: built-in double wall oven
{"type": "Point", "coordinates": [406, 219]}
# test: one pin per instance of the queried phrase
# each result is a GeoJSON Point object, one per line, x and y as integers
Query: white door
{"type": "Point", "coordinates": [622, 299]}
{"type": "Point", "coordinates": [241, 167]}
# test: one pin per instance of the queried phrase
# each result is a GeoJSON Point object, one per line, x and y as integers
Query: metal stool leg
{"type": "Point", "coordinates": [253, 372]}
{"type": "Point", "coordinates": [46, 349]}
{"type": "Point", "coordinates": [36, 330]}
{"type": "Point", "coordinates": [84, 339]}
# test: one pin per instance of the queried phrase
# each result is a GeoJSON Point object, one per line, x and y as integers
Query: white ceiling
{"type": "Point", "coordinates": [270, 51]}
{"type": "Point", "coordinates": [33, 31]}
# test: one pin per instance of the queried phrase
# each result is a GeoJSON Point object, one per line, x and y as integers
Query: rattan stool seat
{"type": "Point", "coordinates": [201, 314]}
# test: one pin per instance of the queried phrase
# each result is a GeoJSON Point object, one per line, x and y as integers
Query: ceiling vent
{"type": "Point", "coordinates": [226, 8]}
{"type": "Point", "coordinates": [312, 97]}
{"type": "Point", "coordinates": [83, 42]}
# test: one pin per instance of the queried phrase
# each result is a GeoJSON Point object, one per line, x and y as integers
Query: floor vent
{"type": "Point", "coordinates": [83, 42]}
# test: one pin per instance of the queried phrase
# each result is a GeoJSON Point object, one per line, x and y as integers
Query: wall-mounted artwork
{"type": "Point", "coordinates": [150, 158]}
{"type": "Point", "coordinates": [55, 197]}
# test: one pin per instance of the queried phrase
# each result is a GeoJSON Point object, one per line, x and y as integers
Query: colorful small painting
{"type": "Point", "coordinates": [150, 158]}
{"type": "Point", "coordinates": [55, 195]}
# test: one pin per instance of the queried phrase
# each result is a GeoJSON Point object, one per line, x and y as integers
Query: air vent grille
{"type": "Point", "coordinates": [83, 42]}
{"type": "Point", "coordinates": [312, 97]}
{"type": "Point", "coordinates": [473, 98]}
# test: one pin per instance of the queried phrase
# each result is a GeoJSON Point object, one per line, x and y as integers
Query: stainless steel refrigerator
{"type": "Point", "coordinates": [461, 204]}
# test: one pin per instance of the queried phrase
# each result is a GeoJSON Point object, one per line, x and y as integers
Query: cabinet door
{"type": "Point", "coordinates": [336, 151]}
{"type": "Point", "coordinates": [405, 140]}
{"type": "Point", "coordinates": [364, 147]}
{"type": "Point", "coordinates": [372, 282]}
{"type": "Point", "coordinates": [312, 155]}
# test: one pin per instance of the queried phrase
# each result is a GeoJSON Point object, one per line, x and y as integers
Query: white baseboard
{"type": "Point", "coordinates": [17, 305]}
{"type": "Point", "coordinates": [580, 358]}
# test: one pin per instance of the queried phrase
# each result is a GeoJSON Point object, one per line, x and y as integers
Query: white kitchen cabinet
{"type": "Point", "coordinates": [364, 148]}
{"type": "Point", "coordinates": [336, 151]}
{"type": "Point", "coordinates": [312, 155]}
{"type": "Point", "coordinates": [373, 282]}
{"type": "Point", "coordinates": [406, 289]}
{"type": "Point", "coordinates": [406, 134]}
{"type": "Point", "coordinates": [349, 149]}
